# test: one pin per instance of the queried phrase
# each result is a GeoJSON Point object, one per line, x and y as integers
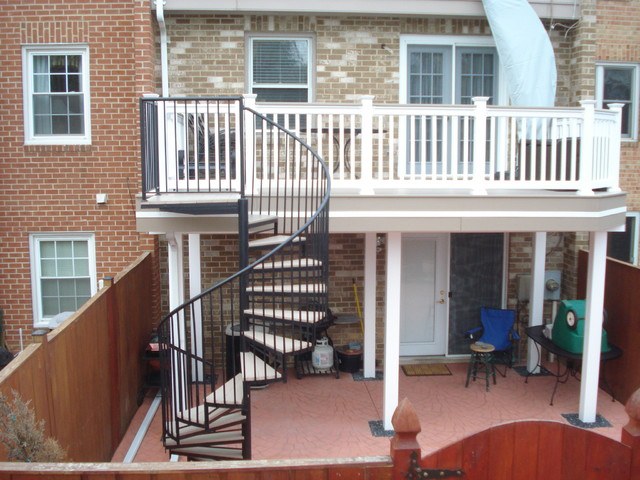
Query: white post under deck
{"type": "Point", "coordinates": [176, 297]}
{"type": "Point", "coordinates": [536, 298]}
{"type": "Point", "coordinates": [590, 375]}
{"type": "Point", "coordinates": [392, 328]}
{"type": "Point", "coordinates": [176, 269]}
{"type": "Point", "coordinates": [195, 288]}
{"type": "Point", "coordinates": [370, 305]}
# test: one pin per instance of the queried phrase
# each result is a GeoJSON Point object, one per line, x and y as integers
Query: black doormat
{"type": "Point", "coordinates": [574, 420]}
{"type": "Point", "coordinates": [523, 372]}
{"type": "Point", "coordinates": [377, 429]}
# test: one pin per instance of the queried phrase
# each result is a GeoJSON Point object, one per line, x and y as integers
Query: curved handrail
{"type": "Point", "coordinates": [223, 304]}
{"type": "Point", "coordinates": [297, 233]}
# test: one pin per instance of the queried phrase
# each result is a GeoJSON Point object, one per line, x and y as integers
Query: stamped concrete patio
{"type": "Point", "coordinates": [325, 417]}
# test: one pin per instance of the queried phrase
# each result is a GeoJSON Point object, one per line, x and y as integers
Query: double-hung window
{"type": "Point", "coordinates": [62, 274]}
{"type": "Point", "coordinates": [279, 68]}
{"type": "Point", "coordinates": [618, 83]}
{"type": "Point", "coordinates": [444, 70]}
{"type": "Point", "coordinates": [56, 95]}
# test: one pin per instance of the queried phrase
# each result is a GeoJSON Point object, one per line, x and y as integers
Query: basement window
{"type": "Point", "coordinates": [63, 274]}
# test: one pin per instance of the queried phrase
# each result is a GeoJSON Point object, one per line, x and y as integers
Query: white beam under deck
{"type": "Point", "coordinates": [592, 345]}
{"type": "Point", "coordinates": [392, 328]}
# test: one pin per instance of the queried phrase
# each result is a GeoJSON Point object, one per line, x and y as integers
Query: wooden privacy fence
{"type": "Point", "coordinates": [528, 450]}
{"type": "Point", "coordinates": [85, 376]}
{"type": "Point", "coordinates": [622, 304]}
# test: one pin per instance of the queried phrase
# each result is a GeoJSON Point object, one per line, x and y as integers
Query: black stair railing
{"type": "Point", "coordinates": [243, 329]}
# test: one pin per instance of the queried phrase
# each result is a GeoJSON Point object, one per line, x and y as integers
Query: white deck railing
{"type": "Point", "coordinates": [476, 147]}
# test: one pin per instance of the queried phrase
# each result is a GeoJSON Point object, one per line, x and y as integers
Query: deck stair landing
{"type": "Point", "coordinates": [258, 320]}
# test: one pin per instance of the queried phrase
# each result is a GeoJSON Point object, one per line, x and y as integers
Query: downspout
{"type": "Point", "coordinates": [164, 64]}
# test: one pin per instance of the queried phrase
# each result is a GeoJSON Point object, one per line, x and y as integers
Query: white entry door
{"type": "Point", "coordinates": [423, 295]}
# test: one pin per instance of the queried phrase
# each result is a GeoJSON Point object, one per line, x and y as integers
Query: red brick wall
{"type": "Point", "coordinates": [53, 189]}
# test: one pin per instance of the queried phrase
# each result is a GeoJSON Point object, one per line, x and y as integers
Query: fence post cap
{"type": "Point", "coordinates": [405, 418]}
{"type": "Point", "coordinates": [633, 410]}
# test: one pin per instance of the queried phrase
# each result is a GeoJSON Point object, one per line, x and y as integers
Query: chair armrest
{"type": "Point", "coordinates": [474, 333]}
{"type": "Point", "coordinates": [514, 335]}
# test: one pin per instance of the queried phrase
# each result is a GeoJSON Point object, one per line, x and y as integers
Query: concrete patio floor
{"type": "Point", "coordinates": [325, 417]}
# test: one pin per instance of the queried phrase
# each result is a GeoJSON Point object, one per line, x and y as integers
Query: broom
{"type": "Point", "coordinates": [359, 310]}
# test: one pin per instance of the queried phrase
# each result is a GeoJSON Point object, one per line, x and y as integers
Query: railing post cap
{"type": "Point", "coordinates": [150, 95]}
{"type": "Point", "coordinates": [615, 106]}
{"type": "Point", "coordinates": [589, 102]}
{"type": "Point", "coordinates": [480, 100]}
{"type": "Point", "coordinates": [405, 418]}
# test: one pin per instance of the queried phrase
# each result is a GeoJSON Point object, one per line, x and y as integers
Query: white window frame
{"type": "Point", "coordinates": [34, 246]}
{"type": "Point", "coordinates": [28, 52]}
{"type": "Point", "coordinates": [454, 42]}
{"type": "Point", "coordinates": [635, 93]}
{"type": "Point", "coordinates": [310, 66]}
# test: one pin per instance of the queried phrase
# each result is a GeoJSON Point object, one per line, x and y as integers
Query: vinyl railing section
{"type": "Point", "coordinates": [476, 147]}
{"type": "Point", "coordinates": [190, 146]}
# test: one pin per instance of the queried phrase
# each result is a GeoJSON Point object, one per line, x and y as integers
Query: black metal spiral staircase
{"type": "Point", "coordinates": [275, 302]}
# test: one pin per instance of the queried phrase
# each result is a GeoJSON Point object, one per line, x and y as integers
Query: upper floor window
{"type": "Point", "coordinates": [279, 68]}
{"type": "Point", "coordinates": [56, 94]}
{"type": "Point", "coordinates": [618, 83]}
{"type": "Point", "coordinates": [62, 274]}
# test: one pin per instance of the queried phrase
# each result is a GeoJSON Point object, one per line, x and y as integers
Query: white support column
{"type": "Point", "coordinates": [176, 269]}
{"type": "Point", "coordinates": [370, 305]}
{"type": "Point", "coordinates": [195, 287]}
{"type": "Point", "coordinates": [392, 328]}
{"type": "Point", "coordinates": [536, 297]}
{"type": "Point", "coordinates": [175, 260]}
{"type": "Point", "coordinates": [590, 375]}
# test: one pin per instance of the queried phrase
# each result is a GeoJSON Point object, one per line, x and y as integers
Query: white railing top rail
{"type": "Point", "coordinates": [477, 146]}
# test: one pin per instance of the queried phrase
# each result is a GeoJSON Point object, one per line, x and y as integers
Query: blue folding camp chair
{"type": "Point", "coordinates": [498, 330]}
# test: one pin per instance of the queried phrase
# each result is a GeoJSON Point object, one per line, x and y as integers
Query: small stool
{"type": "Point", "coordinates": [481, 358]}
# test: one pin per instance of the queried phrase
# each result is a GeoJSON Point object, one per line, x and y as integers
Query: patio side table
{"type": "Point", "coordinates": [572, 360]}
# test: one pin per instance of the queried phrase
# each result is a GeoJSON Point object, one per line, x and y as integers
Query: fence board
{"type": "Point", "coordinates": [501, 445]}
{"type": "Point", "coordinates": [525, 445]}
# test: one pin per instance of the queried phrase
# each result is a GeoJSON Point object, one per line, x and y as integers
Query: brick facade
{"type": "Point", "coordinates": [53, 188]}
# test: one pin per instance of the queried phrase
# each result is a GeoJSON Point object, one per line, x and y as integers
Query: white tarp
{"type": "Point", "coordinates": [525, 52]}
